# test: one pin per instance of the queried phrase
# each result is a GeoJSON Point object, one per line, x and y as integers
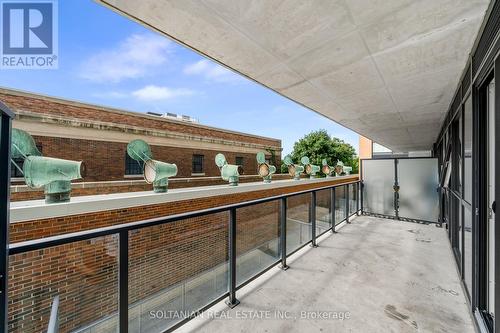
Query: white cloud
{"type": "Point", "coordinates": [212, 71]}
{"type": "Point", "coordinates": [197, 68]}
{"type": "Point", "coordinates": [158, 93]}
{"type": "Point", "coordinates": [137, 56]}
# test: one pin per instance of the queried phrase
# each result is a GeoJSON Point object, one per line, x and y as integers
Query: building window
{"type": "Point", "coordinates": [239, 160]}
{"type": "Point", "coordinates": [132, 167]}
{"type": "Point", "coordinates": [198, 163]}
{"type": "Point", "coordinates": [14, 171]}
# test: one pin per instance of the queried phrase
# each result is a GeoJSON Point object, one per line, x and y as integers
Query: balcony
{"type": "Point", "coordinates": [291, 256]}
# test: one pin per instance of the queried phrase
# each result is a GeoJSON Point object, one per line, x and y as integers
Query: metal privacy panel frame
{"type": "Point", "coordinates": [401, 188]}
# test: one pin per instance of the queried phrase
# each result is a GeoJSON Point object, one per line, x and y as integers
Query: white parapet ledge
{"type": "Point", "coordinates": [17, 188]}
{"type": "Point", "coordinates": [38, 209]}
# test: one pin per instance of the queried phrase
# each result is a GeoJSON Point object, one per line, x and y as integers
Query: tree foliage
{"type": "Point", "coordinates": [318, 145]}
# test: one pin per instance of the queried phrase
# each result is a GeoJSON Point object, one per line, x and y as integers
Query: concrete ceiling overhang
{"type": "Point", "coordinates": [386, 69]}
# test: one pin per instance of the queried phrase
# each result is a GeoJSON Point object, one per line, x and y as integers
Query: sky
{"type": "Point", "coordinates": [109, 60]}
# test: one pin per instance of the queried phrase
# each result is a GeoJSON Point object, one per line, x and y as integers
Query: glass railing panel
{"type": "Point", "coordinates": [323, 211]}
{"type": "Point", "coordinates": [83, 274]}
{"type": "Point", "coordinates": [257, 239]}
{"type": "Point", "coordinates": [353, 194]}
{"type": "Point", "coordinates": [298, 226]}
{"type": "Point", "coordinates": [340, 211]}
{"type": "Point", "coordinates": [175, 269]}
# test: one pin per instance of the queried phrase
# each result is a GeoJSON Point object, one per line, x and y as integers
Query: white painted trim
{"type": "Point", "coordinates": [140, 176]}
{"type": "Point", "coordinates": [17, 179]}
{"type": "Point", "coordinates": [16, 188]}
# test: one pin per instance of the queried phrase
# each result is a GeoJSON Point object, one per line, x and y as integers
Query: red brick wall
{"type": "Point", "coordinates": [84, 274]}
{"type": "Point", "coordinates": [106, 160]}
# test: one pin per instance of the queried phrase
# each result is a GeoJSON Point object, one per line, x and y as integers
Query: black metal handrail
{"type": "Point", "coordinates": [123, 231]}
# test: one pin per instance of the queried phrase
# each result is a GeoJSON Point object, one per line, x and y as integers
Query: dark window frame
{"type": "Point", "coordinates": [14, 171]}
{"type": "Point", "coordinates": [198, 163]}
{"type": "Point", "coordinates": [133, 167]}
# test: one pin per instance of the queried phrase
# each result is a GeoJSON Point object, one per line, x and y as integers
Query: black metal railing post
{"type": "Point", "coordinates": [312, 217]}
{"type": "Point", "coordinates": [396, 189]}
{"type": "Point", "coordinates": [232, 301]}
{"type": "Point", "coordinates": [361, 187]}
{"type": "Point", "coordinates": [123, 281]}
{"type": "Point", "coordinates": [6, 116]}
{"type": "Point", "coordinates": [332, 206]}
{"type": "Point", "coordinates": [284, 266]}
{"type": "Point", "coordinates": [346, 187]}
{"type": "Point", "coordinates": [357, 198]}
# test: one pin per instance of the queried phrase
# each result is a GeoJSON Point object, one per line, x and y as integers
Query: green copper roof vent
{"type": "Point", "coordinates": [155, 172]}
{"type": "Point", "coordinates": [53, 173]}
{"type": "Point", "coordinates": [339, 168]}
{"type": "Point", "coordinates": [228, 172]}
{"type": "Point", "coordinates": [325, 168]}
{"type": "Point", "coordinates": [265, 170]}
{"type": "Point", "coordinates": [310, 169]}
{"type": "Point", "coordinates": [294, 170]}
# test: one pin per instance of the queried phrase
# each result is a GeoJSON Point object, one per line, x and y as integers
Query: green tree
{"type": "Point", "coordinates": [318, 145]}
{"type": "Point", "coordinates": [273, 156]}
{"type": "Point", "coordinates": [283, 168]}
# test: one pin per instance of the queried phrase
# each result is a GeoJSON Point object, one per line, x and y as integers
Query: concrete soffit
{"type": "Point", "coordinates": [385, 69]}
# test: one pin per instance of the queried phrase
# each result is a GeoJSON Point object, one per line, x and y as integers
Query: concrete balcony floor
{"type": "Point", "coordinates": [390, 276]}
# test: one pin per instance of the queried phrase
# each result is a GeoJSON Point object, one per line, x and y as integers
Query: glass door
{"type": "Point", "coordinates": [467, 195]}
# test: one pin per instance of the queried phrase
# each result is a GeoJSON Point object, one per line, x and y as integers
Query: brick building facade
{"type": "Point", "coordinates": [99, 136]}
